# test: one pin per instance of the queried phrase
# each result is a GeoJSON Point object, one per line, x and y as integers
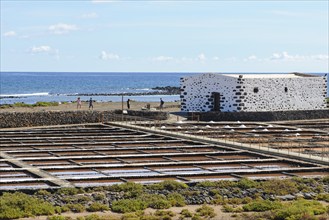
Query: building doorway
{"type": "Point", "coordinates": [216, 96]}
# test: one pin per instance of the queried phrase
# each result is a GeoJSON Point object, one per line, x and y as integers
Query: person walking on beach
{"type": "Point", "coordinates": [78, 103]}
{"type": "Point", "coordinates": [161, 104]}
{"type": "Point", "coordinates": [128, 103]}
{"type": "Point", "coordinates": [91, 104]}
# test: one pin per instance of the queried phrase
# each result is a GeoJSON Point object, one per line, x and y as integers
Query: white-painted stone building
{"type": "Point", "coordinates": [253, 92]}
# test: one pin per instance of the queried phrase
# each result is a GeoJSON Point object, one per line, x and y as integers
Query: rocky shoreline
{"type": "Point", "coordinates": [168, 90]}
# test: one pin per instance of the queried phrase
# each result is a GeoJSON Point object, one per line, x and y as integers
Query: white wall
{"type": "Point", "coordinates": [196, 92]}
{"type": "Point", "coordinates": [303, 93]}
{"type": "Point", "coordinates": [237, 94]}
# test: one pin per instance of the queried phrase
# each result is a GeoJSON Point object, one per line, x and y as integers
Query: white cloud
{"type": "Point", "coordinates": [285, 56]}
{"type": "Point", "coordinates": [162, 58]}
{"type": "Point", "coordinates": [10, 34]}
{"type": "Point", "coordinates": [108, 56]}
{"type": "Point", "coordinates": [321, 57]}
{"type": "Point", "coordinates": [44, 49]}
{"type": "Point", "coordinates": [61, 28]}
{"type": "Point", "coordinates": [40, 49]}
{"type": "Point", "coordinates": [90, 15]}
{"type": "Point", "coordinates": [252, 58]}
{"type": "Point", "coordinates": [202, 57]}
{"type": "Point", "coordinates": [215, 58]}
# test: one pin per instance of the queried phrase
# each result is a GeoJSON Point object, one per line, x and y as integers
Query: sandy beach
{"type": "Point", "coordinates": [98, 106]}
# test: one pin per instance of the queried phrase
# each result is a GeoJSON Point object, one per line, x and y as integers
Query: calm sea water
{"type": "Point", "coordinates": [31, 87]}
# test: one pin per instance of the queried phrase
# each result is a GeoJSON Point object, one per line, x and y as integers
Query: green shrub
{"type": "Point", "coordinates": [37, 104]}
{"type": "Point", "coordinates": [225, 184]}
{"type": "Point", "coordinates": [214, 192]}
{"type": "Point", "coordinates": [279, 187]}
{"type": "Point", "coordinates": [186, 213]}
{"type": "Point", "coordinates": [70, 191]}
{"type": "Point", "coordinates": [190, 193]}
{"type": "Point", "coordinates": [58, 210]}
{"type": "Point", "coordinates": [96, 206]}
{"type": "Point", "coordinates": [206, 183]}
{"type": "Point", "coordinates": [94, 217]}
{"type": "Point", "coordinates": [164, 213]}
{"type": "Point", "coordinates": [229, 208]}
{"type": "Point", "coordinates": [246, 183]}
{"type": "Point", "coordinates": [65, 208]}
{"type": "Point", "coordinates": [77, 208]}
{"type": "Point", "coordinates": [3, 106]}
{"type": "Point", "coordinates": [219, 184]}
{"type": "Point", "coordinates": [247, 200]}
{"type": "Point", "coordinates": [168, 185]}
{"type": "Point", "coordinates": [83, 199]}
{"type": "Point", "coordinates": [323, 197]}
{"type": "Point", "coordinates": [234, 201]}
{"type": "Point", "coordinates": [206, 211]}
{"type": "Point", "coordinates": [99, 197]}
{"type": "Point", "coordinates": [45, 104]}
{"type": "Point", "coordinates": [132, 215]}
{"type": "Point", "coordinates": [20, 205]}
{"type": "Point", "coordinates": [128, 205]}
{"type": "Point", "coordinates": [43, 192]}
{"type": "Point", "coordinates": [131, 189]}
{"type": "Point", "coordinates": [299, 209]}
{"type": "Point", "coordinates": [196, 217]}
{"type": "Point", "coordinates": [155, 201]}
{"type": "Point", "coordinates": [305, 184]}
{"type": "Point", "coordinates": [325, 179]}
{"type": "Point", "coordinates": [21, 104]}
{"type": "Point", "coordinates": [219, 200]}
{"type": "Point", "coordinates": [160, 204]}
{"type": "Point", "coordinates": [176, 199]}
{"type": "Point", "coordinates": [262, 205]}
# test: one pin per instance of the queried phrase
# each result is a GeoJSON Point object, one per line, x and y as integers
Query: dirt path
{"type": "Point", "coordinates": [99, 106]}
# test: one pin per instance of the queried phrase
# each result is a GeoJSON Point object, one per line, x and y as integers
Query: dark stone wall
{"type": "Point", "coordinates": [27, 119]}
{"type": "Point", "coordinates": [261, 116]}
{"type": "Point", "coordinates": [153, 115]}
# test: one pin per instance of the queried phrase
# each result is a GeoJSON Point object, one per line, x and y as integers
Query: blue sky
{"type": "Point", "coordinates": [164, 36]}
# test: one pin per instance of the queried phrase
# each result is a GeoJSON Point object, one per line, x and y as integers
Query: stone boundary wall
{"type": "Point", "coordinates": [27, 119]}
{"type": "Point", "coordinates": [152, 115]}
{"type": "Point", "coordinates": [45, 118]}
{"type": "Point", "coordinates": [260, 116]}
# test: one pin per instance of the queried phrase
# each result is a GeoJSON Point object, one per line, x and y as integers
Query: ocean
{"type": "Point", "coordinates": [30, 87]}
